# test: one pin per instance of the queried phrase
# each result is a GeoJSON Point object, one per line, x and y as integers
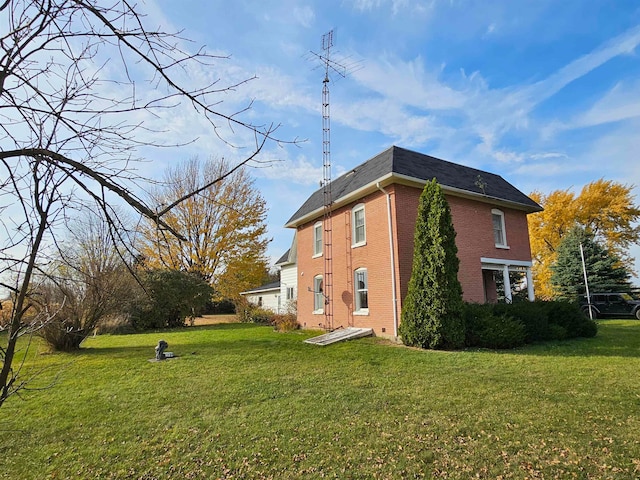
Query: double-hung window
{"type": "Point", "coordinates": [359, 229]}
{"type": "Point", "coordinates": [499, 233]}
{"type": "Point", "coordinates": [317, 239]}
{"type": "Point", "coordinates": [318, 294]}
{"type": "Point", "coordinates": [361, 291]}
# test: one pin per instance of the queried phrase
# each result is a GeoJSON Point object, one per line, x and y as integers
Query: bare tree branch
{"type": "Point", "coordinates": [73, 117]}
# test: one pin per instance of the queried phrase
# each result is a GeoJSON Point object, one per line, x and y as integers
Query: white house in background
{"type": "Point", "coordinates": [265, 296]}
{"type": "Point", "coordinates": [277, 296]}
{"type": "Point", "coordinates": [288, 265]}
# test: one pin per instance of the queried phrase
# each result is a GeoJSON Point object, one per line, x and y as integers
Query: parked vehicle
{"type": "Point", "coordinates": [611, 305]}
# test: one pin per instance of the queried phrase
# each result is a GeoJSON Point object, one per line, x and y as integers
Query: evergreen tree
{"type": "Point", "coordinates": [605, 273]}
{"type": "Point", "coordinates": [432, 311]}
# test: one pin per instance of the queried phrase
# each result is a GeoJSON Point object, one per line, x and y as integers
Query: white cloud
{"type": "Point", "coordinates": [304, 15]}
{"type": "Point", "coordinates": [493, 114]}
{"type": "Point", "coordinates": [299, 171]}
{"type": "Point", "coordinates": [547, 155]}
{"type": "Point", "coordinates": [409, 83]}
{"type": "Point", "coordinates": [622, 102]}
{"type": "Point", "coordinates": [391, 119]}
{"type": "Point", "coordinates": [397, 6]}
{"type": "Point", "coordinates": [532, 95]}
{"type": "Point", "coordinates": [490, 29]}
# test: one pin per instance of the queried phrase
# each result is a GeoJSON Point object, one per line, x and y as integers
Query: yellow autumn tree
{"type": "Point", "coordinates": [224, 226]}
{"type": "Point", "coordinates": [603, 207]}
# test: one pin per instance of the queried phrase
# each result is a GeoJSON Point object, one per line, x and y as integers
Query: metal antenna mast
{"type": "Point", "coordinates": [330, 66]}
{"type": "Point", "coordinates": [327, 43]}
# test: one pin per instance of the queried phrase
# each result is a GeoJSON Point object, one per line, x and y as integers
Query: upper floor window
{"type": "Point", "coordinates": [361, 290]}
{"type": "Point", "coordinates": [318, 294]}
{"type": "Point", "coordinates": [317, 239]}
{"type": "Point", "coordinates": [499, 232]}
{"type": "Point", "coordinates": [359, 230]}
{"type": "Point", "coordinates": [289, 293]}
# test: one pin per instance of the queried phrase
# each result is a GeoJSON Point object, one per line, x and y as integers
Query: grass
{"type": "Point", "coordinates": [245, 402]}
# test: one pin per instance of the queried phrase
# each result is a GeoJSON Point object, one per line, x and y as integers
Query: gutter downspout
{"type": "Point", "coordinates": [393, 262]}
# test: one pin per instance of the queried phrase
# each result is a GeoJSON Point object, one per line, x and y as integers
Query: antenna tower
{"type": "Point", "coordinates": [327, 43]}
{"type": "Point", "coordinates": [330, 66]}
{"type": "Point", "coordinates": [325, 57]}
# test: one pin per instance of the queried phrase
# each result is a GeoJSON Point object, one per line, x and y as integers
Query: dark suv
{"type": "Point", "coordinates": [611, 305]}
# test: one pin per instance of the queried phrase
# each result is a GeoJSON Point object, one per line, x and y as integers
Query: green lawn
{"type": "Point", "coordinates": [246, 402]}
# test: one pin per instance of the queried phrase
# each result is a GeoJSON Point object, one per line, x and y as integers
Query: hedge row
{"type": "Point", "coordinates": [511, 325]}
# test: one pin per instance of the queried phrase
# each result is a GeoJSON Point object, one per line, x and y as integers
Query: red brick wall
{"type": "Point", "coordinates": [374, 256]}
{"type": "Point", "coordinates": [474, 238]}
{"type": "Point", "coordinates": [472, 222]}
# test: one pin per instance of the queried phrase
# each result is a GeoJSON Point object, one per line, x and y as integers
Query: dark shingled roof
{"type": "Point", "coordinates": [266, 286]}
{"type": "Point", "coordinates": [419, 166]}
{"type": "Point", "coordinates": [284, 258]}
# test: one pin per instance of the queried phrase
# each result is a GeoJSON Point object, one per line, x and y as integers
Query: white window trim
{"type": "Point", "coordinates": [315, 240]}
{"type": "Point", "coordinates": [360, 311]}
{"type": "Point", "coordinates": [357, 208]}
{"type": "Point", "coordinates": [319, 311]}
{"type": "Point", "coordinates": [500, 213]}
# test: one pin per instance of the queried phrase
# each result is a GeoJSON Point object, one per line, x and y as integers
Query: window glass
{"type": "Point", "coordinates": [498, 227]}
{"type": "Point", "coordinates": [359, 231]}
{"type": "Point", "coordinates": [362, 289]}
{"type": "Point", "coordinates": [318, 297]}
{"type": "Point", "coordinates": [317, 239]}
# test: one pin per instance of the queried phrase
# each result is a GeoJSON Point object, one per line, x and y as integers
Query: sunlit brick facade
{"type": "Point", "coordinates": [373, 222]}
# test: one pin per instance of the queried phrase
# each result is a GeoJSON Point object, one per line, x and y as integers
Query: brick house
{"type": "Point", "coordinates": [373, 217]}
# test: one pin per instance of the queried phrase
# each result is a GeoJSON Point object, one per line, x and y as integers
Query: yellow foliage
{"type": "Point", "coordinates": [224, 226]}
{"type": "Point", "coordinates": [603, 207]}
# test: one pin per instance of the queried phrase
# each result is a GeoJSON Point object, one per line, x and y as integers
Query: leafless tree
{"type": "Point", "coordinates": [78, 81]}
{"type": "Point", "coordinates": [86, 285]}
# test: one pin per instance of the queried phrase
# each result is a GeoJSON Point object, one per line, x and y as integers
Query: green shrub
{"type": "Point", "coordinates": [474, 318]}
{"type": "Point", "coordinates": [215, 307]}
{"type": "Point", "coordinates": [484, 328]}
{"type": "Point", "coordinates": [588, 329]}
{"type": "Point", "coordinates": [501, 325]}
{"type": "Point", "coordinates": [569, 316]}
{"type": "Point", "coordinates": [557, 332]}
{"type": "Point", "coordinates": [533, 316]}
{"type": "Point", "coordinates": [171, 296]}
{"type": "Point", "coordinates": [502, 331]}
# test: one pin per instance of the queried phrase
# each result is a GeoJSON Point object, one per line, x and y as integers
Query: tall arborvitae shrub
{"type": "Point", "coordinates": [432, 313]}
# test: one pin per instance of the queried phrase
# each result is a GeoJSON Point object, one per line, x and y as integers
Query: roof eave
{"type": "Point", "coordinates": [350, 197]}
{"type": "Point", "coordinates": [260, 290]}
{"type": "Point", "coordinates": [392, 177]}
{"type": "Point", "coordinates": [459, 192]}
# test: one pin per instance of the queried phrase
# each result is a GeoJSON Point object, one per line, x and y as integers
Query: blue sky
{"type": "Point", "coordinates": [545, 93]}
